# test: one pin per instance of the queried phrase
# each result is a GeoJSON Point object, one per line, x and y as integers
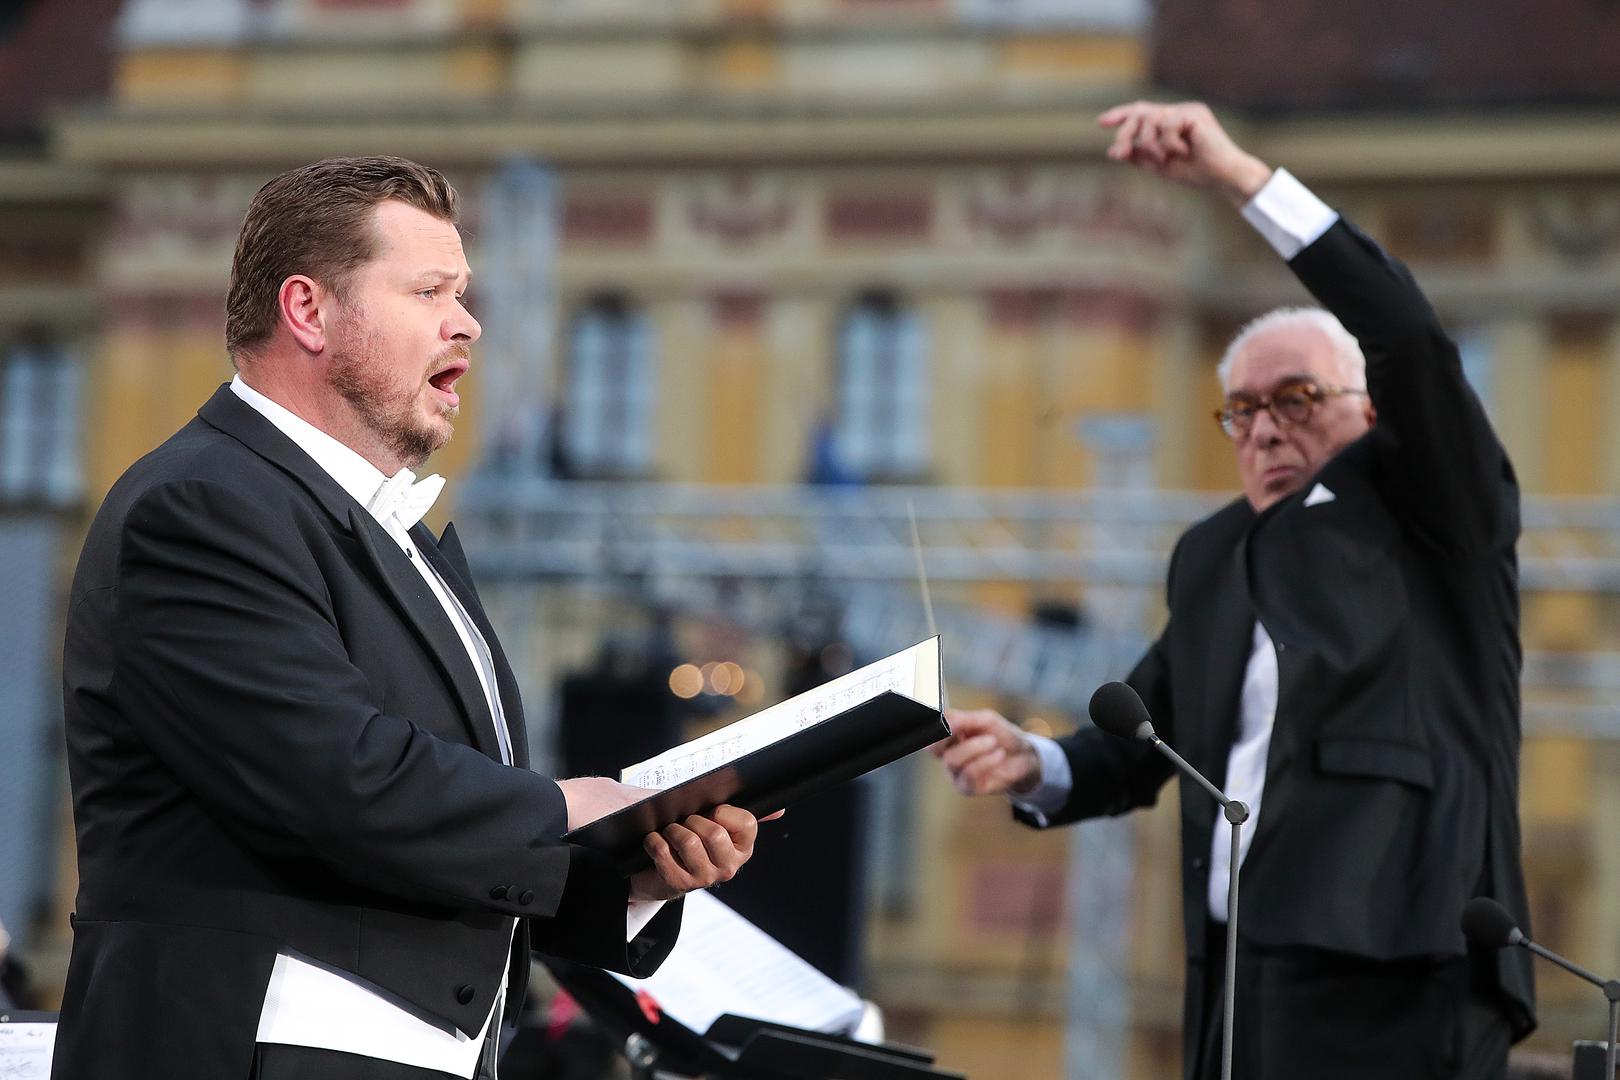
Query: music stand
{"type": "Point", "coordinates": [734, 1047]}
{"type": "Point", "coordinates": [29, 1056]}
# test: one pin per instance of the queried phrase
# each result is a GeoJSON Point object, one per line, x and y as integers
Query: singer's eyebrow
{"type": "Point", "coordinates": [438, 276]}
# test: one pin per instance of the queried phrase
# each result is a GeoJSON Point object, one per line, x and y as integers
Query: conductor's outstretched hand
{"type": "Point", "coordinates": [1184, 142]}
{"type": "Point", "coordinates": [986, 755]}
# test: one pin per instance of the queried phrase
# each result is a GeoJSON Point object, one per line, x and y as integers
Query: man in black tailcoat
{"type": "Point", "coordinates": [1342, 654]}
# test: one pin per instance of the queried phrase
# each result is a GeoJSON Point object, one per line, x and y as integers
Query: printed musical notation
{"type": "Point", "coordinates": [725, 964]}
{"type": "Point", "coordinates": [903, 672]}
{"type": "Point", "coordinates": [668, 771]}
{"type": "Point", "coordinates": [25, 1050]}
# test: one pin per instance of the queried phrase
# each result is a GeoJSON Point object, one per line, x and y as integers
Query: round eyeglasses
{"type": "Point", "coordinates": [1290, 405]}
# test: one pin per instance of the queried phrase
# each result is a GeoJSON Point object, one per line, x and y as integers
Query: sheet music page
{"type": "Point", "coordinates": [25, 1051]}
{"type": "Point", "coordinates": [725, 964]}
{"type": "Point", "coordinates": [913, 672]}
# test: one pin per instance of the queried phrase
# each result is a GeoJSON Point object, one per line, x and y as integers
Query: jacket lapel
{"type": "Point", "coordinates": [447, 557]}
{"type": "Point", "coordinates": [404, 583]}
{"type": "Point", "coordinates": [430, 622]}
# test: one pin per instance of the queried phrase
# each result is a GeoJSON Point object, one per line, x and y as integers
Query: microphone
{"type": "Point", "coordinates": [1118, 710]}
{"type": "Point", "coordinates": [1487, 923]}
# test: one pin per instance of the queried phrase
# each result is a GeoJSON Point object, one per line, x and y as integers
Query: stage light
{"type": "Point", "coordinates": [686, 681]}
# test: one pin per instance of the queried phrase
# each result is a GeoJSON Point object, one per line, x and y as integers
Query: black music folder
{"type": "Point", "coordinates": [766, 762]}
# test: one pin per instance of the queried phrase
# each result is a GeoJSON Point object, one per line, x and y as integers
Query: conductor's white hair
{"type": "Point", "coordinates": [1353, 364]}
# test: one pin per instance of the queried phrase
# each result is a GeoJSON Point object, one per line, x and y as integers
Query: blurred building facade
{"type": "Point", "coordinates": [51, 218]}
{"type": "Point", "coordinates": [853, 242]}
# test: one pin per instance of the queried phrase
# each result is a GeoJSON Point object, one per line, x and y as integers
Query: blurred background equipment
{"type": "Point", "coordinates": [621, 709]}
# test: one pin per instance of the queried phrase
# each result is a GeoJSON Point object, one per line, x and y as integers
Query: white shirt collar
{"type": "Point", "coordinates": [353, 473]}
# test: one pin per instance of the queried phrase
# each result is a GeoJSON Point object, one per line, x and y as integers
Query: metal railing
{"type": "Point", "coordinates": [548, 529]}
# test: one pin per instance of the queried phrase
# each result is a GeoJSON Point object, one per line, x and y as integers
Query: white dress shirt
{"type": "Point", "coordinates": [1245, 766]}
{"type": "Point", "coordinates": [1290, 218]}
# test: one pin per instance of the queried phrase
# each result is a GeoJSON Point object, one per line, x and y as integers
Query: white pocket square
{"type": "Point", "coordinates": [1319, 495]}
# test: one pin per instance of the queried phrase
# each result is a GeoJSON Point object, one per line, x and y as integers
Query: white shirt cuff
{"type": "Point", "coordinates": [637, 914]}
{"type": "Point", "coordinates": [1056, 780]}
{"type": "Point", "coordinates": [1288, 215]}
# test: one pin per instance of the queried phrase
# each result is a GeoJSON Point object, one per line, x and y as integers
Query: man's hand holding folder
{"type": "Point", "coordinates": [695, 853]}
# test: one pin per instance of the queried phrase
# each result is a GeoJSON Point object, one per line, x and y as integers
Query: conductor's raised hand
{"type": "Point", "coordinates": [987, 755]}
{"type": "Point", "coordinates": [1184, 142]}
{"type": "Point", "coordinates": [700, 851]}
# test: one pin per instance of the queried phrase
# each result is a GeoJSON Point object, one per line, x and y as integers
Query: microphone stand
{"type": "Point", "coordinates": [1487, 923]}
{"type": "Point", "coordinates": [1236, 813]}
{"type": "Point", "coordinates": [1611, 990]}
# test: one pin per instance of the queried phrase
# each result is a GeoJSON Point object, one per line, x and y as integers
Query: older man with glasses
{"type": "Point", "coordinates": [1342, 654]}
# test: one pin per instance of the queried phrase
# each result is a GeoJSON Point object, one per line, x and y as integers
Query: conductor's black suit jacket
{"type": "Point", "coordinates": [1391, 788]}
{"type": "Point", "coordinates": [277, 741]}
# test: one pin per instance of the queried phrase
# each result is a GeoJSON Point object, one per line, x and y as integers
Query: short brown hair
{"type": "Point", "coordinates": [316, 220]}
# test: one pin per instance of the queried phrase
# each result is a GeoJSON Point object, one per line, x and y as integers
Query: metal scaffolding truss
{"type": "Point", "coordinates": [573, 530]}
{"type": "Point", "coordinates": [541, 529]}
{"type": "Point", "coordinates": [762, 553]}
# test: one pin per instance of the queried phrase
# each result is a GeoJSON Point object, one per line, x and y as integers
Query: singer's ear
{"type": "Point", "coordinates": [305, 312]}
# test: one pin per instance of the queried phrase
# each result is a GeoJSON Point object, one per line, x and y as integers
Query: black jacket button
{"type": "Point", "coordinates": [1199, 862]}
{"type": "Point", "coordinates": [499, 892]}
{"type": "Point", "coordinates": [465, 995]}
{"type": "Point", "coordinates": [527, 898]}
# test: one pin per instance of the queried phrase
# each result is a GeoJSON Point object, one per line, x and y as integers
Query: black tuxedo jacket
{"type": "Point", "coordinates": [1391, 792]}
{"type": "Point", "coordinates": [277, 741]}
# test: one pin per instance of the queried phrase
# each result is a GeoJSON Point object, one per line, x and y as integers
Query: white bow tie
{"type": "Point", "coordinates": [405, 497]}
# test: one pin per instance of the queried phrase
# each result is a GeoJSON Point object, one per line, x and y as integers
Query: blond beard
{"type": "Point", "coordinates": [358, 372]}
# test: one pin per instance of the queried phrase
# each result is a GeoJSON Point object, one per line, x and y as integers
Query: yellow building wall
{"type": "Point", "coordinates": [960, 349]}
{"type": "Point", "coordinates": [796, 392]}
{"type": "Point", "coordinates": [148, 384]}
{"type": "Point", "coordinates": [1576, 437]}
{"type": "Point", "coordinates": [179, 77]}
{"type": "Point", "coordinates": [1072, 57]}
{"type": "Point", "coordinates": [733, 374]}
{"type": "Point", "coordinates": [1010, 408]}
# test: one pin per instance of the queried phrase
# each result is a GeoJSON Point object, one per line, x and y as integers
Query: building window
{"type": "Point", "coordinates": [607, 416]}
{"type": "Point", "coordinates": [881, 421]}
{"type": "Point", "coordinates": [39, 424]}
